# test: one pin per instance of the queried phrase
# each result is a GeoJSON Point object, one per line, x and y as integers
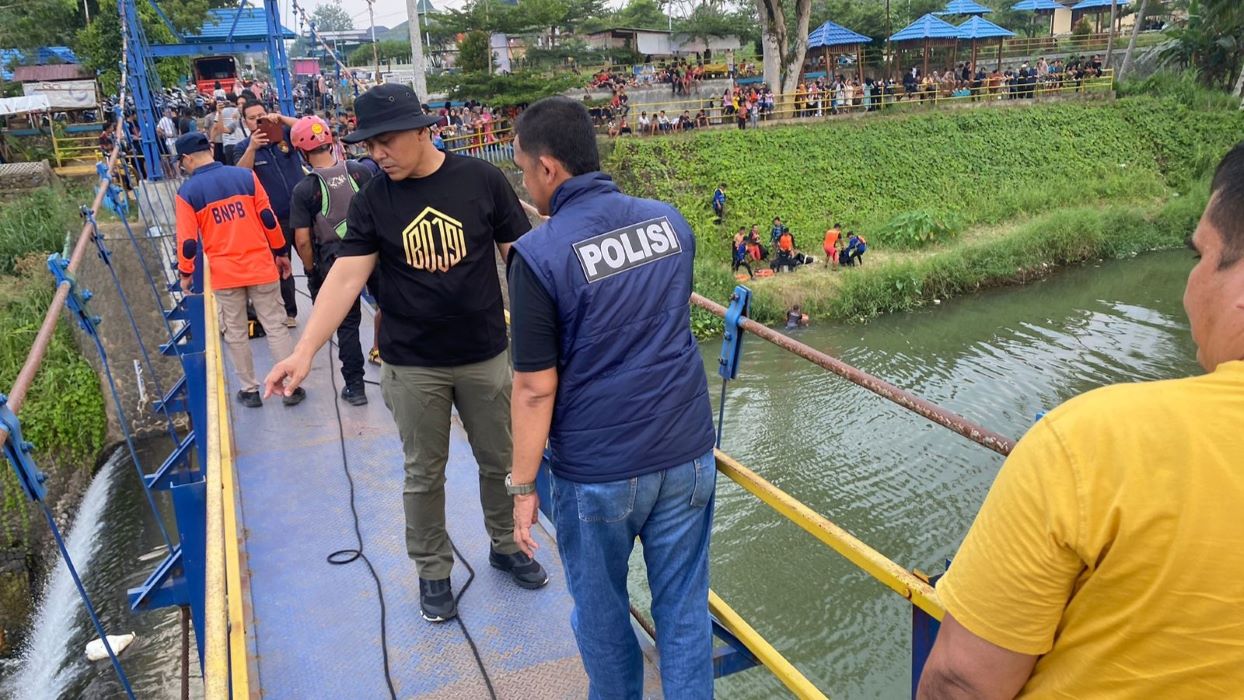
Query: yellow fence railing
{"type": "Point", "coordinates": [804, 105]}
{"type": "Point", "coordinates": [225, 662]}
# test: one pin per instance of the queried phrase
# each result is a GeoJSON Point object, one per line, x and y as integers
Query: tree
{"type": "Point", "coordinates": [29, 25]}
{"type": "Point", "coordinates": [641, 14]}
{"type": "Point", "coordinates": [1131, 43]}
{"type": "Point", "coordinates": [709, 21]}
{"type": "Point", "coordinates": [784, 45]}
{"type": "Point", "coordinates": [475, 53]}
{"type": "Point", "coordinates": [478, 15]}
{"type": "Point", "coordinates": [332, 17]}
{"type": "Point", "coordinates": [387, 50]}
{"type": "Point", "coordinates": [1209, 41]}
{"type": "Point", "coordinates": [98, 45]}
{"type": "Point", "coordinates": [1114, 17]}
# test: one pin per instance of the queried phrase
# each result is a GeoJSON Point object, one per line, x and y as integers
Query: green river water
{"type": "Point", "coordinates": [903, 485]}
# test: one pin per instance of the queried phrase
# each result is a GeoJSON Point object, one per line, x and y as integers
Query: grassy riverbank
{"type": "Point", "coordinates": [1030, 189]}
{"type": "Point", "coordinates": [63, 415]}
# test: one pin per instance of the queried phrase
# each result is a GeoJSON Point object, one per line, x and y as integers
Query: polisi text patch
{"type": "Point", "coordinates": [626, 248]}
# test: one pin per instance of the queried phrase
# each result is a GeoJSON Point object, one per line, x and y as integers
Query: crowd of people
{"type": "Point", "coordinates": [782, 254]}
{"type": "Point", "coordinates": [471, 125]}
{"type": "Point", "coordinates": [746, 105]}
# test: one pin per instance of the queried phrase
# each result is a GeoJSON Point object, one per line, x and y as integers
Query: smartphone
{"type": "Point", "coordinates": [274, 132]}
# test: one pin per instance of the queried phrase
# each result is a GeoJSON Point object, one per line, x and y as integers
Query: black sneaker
{"type": "Point", "coordinates": [295, 398]}
{"type": "Point", "coordinates": [250, 399]}
{"type": "Point", "coordinates": [355, 395]}
{"type": "Point", "coordinates": [436, 600]}
{"type": "Point", "coordinates": [526, 571]}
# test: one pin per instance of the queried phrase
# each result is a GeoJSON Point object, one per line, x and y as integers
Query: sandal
{"type": "Point", "coordinates": [374, 356]}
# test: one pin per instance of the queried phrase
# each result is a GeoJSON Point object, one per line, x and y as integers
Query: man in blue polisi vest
{"type": "Point", "coordinates": [606, 371]}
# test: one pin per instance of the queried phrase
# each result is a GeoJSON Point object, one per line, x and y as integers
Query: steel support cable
{"type": "Point", "coordinates": [976, 433]}
{"type": "Point", "coordinates": [155, 289]}
{"type": "Point", "coordinates": [86, 599]}
{"type": "Point", "coordinates": [129, 440]}
{"type": "Point", "coordinates": [25, 379]}
{"type": "Point", "coordinates": [106, 257]}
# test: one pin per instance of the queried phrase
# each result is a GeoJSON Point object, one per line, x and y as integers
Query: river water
{"type": "Point", "coordinates": [903, 485]}
{"type": "Point", "coordinates": [114, 544]}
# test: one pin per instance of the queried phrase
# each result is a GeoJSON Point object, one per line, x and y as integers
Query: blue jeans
{"type": "Point", "coordinates": [671, 511]}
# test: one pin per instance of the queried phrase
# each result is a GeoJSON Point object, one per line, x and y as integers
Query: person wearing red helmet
{"type": "Point", "coordinates": [318, 207]}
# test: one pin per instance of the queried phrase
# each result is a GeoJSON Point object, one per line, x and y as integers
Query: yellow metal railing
{"type": "Point", "coordinates": [475, 137]}
{"type": "Point", "coordinates": [798, 105]}
{"type": "Point", "coordinates": [225, 663]}
{"type": "Point", "coordinates": [764, 652]}
{"type": "Point", "coordinates": [867, 559]}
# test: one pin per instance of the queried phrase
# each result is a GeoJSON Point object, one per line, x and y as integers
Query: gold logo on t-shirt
{"type": "Point", "coordinates": [433, 241]}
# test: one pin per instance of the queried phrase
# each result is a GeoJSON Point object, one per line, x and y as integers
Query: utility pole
{"type": "Point", "coordinates": [375, 50]}
{"type": "Point", "coordinates": [416, 48]}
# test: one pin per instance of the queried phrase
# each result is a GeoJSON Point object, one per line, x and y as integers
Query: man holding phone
{"type": "Point", "coordinates": [269, 152]}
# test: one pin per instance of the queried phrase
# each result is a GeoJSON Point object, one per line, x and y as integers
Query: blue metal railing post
{"type": "Point", "coordinates": [19, 454]}
{"type": "Point", "coordinates": [278, 63]}
{"type": "Point", "coordinates": [924, 629]}
{"type": "Point", "coordinates": [180, 579]}
{"type": "Point", "coordinates": [731, 348]}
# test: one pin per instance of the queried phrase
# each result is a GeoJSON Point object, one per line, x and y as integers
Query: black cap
{"type": "Point", "coordinates": [192, 142]}
{"type": "Point", "coordinates": [388, 107]}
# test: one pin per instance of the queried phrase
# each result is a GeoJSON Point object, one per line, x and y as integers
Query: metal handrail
{"type": "Point", "coordinates": [38, 349]}
{"type": "Point", "coordinates": [948, 419]}
{"type": "Point", "coordinates": [225, 660]}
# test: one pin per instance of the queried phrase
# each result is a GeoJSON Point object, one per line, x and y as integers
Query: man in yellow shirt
{"type": "Point", "coordinates": [1108, 558]}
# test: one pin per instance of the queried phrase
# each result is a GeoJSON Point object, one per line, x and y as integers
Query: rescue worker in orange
{"type": "Point", "coordinates": [224, 211]}
{"type": "Point", "coordinates": [830, 245]}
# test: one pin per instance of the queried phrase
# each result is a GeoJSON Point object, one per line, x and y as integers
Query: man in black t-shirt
{"type": "Point", "coordinates": [432, 226]}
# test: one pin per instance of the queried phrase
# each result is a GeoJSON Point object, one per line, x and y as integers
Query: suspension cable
{"type": "Point", "coordinates": [106, 256]}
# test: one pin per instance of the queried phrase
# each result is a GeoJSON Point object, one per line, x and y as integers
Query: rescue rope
{"type": "Point", "coordinates": [347, 556]}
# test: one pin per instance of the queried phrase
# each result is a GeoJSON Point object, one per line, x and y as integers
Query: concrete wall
{"type": "Point", "coordinates": [135, 383]}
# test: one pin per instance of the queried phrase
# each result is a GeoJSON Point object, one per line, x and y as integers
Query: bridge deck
{"type": "Point", "coordinates": [313, 629]}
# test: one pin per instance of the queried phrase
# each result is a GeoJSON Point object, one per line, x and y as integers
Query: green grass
{"type": "Point", "coordinates": [36, 222]}
{"type": "Point", "coordinates": [1052, 183]}
{"type": "Point", "coordinates": [63, 415]}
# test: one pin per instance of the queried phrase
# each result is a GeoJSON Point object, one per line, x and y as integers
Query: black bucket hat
{"type": "Point", "coordinates": [388, 107]}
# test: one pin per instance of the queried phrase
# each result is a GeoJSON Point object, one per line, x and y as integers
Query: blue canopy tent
{"type": "Point", "coordinates": [1040, 7]}
{"type": "Point", "coordinates": [929, 31]}
{"type": "Point", "coordinates": [964, 7]}
{"type": "Point", "coordinates": [979, 29]}
{"type": "Point", "coordinates": [842, 41]}
{"type": "Point", "coordinates": [1097, 7]}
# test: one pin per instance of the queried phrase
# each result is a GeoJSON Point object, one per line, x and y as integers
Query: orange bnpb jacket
{"type": "Point", "coordinates": [227, 211]}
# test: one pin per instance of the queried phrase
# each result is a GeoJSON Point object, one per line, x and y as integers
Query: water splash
{"type": "Point", "coordinates": [47, 665]}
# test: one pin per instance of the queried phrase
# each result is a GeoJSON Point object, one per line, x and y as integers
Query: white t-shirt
{"type": "Point", "coordinates": [229, 118]}
{"type": "Point", "coordinates": [169, 128]}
